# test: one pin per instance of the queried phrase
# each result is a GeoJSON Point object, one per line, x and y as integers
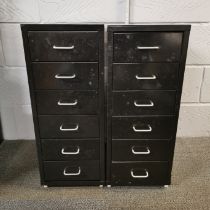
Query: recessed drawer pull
{"type": "Point", "coordinates": [63, 48]}
{"type": "Point", "coordinates": [146, 78]}
{"type": "Point", "coordinates": [141, 153]}
{"type": "Point", "coordinates": [144, 105]}
{"type": "Point", "coordinates": [57, 76]}
{"type": "Point", "coordinates": [142, 130]}
{"type": "Point", "coordinates": [72, 174]}
{"type": "Point", "coordinates": [69, 129]}
{"type": "Point", "coordinates": [68, 104]}
{"type": "Point", "coordinates": [140, 176]}
{"type": "Point", "coordinates": [70, 153]}
{"type": "Point", "coordinates": [148, 48]}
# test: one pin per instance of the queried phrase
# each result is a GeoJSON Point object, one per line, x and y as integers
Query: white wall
{"type": "Point", "coordinates": [15, 105]}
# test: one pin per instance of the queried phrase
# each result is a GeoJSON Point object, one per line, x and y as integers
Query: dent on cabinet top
{"type": "Point", "coordinates": [149, 28]}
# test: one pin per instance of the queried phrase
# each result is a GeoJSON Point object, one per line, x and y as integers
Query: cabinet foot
{"type": "Point", "coordinates": [101, 186]}
{"type": "Point", "coordinates": [109, 185]}
{"type": "Point", "coordinates": [165, 186]}
{"type": "Point", "coordinates": [45, 186]}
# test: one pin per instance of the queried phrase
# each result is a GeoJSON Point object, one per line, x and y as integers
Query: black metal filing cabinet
{"type": "Point", "coordinates": [145, 74]}
{"type": "Point", "coordinates": [65, 65]}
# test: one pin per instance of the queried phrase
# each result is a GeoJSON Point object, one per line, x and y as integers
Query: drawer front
{"type": "Point", "coordinates": [155, 76]}
{"type": "Point", "coordinates": [81, 76]}
{"type": "Point", "coordinates": [64, 126]}
{"type": "Point", "coordinates": [144, 150]}
{"type": "Point", "coordinates": [71, 170]}
{"type": "Point", "coordinates": [70, 149]}
{"type": "Point", "coordinates": [140, 173]}
{"type": "Point", "coordinates": [67, 102]}
{"type": "Point", "coordinates": [147, 47]}
{"type": "Point", "coordinates": [144, 103]}
{"type": "Point", "coordinates": [63, 45]}
{"type": "Point", "coordinates": [142, 127]}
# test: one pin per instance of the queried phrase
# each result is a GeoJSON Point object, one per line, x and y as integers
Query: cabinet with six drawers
{"type": "Point", "coordinates": [145, 75]}
{"type": "Point", "coordinates": [135, 141]}
{"type": "Point", "coordinates": [65, 65]}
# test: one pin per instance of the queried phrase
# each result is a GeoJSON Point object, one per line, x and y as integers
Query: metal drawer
{"type": "Point", "coordinates": [71, 170]}
{"type": "Point", "coordinates": [137, 47]}
{"type": "Point", "coordinates": [140, 150]}
{"type": "Point", "coordinates": [143, 127]}
{"type": "Point", "coordinates": [140, 173]}
{"type": "Point", "coordinates": [67, 102]}
{"type": "Point", "coordinates": [73, 76]}
{"type": "Point", "coordinates": [147, 76]}
{"type": "Point", "coordinates": [144, 102]}
{"type": "Point", "coordinates": [70, 149]}
{"type": "Point", "coordinates": [63, 45]}
{"type": "Point", "coordinates": [65, 126]}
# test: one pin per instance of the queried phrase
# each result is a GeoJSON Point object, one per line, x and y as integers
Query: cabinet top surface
{"type": "Point", "coordinates": [113, 28]}
{"type": "Point", "coordinates": [61, 27]}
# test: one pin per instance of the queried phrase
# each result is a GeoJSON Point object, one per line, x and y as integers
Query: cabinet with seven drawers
{"type": "Point", "coordinates": [145, 74]}
{"type": "Point", "coordinates": [66, 79]}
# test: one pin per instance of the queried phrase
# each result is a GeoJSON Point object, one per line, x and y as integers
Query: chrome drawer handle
{"type": "Point", "coordinates": [69, 129]}
{"type": "Point", "coordinates": [57, 76]}
{"type": "Point", "coordinates": [72, 174]}
{"type": "Point", "coordinates": [63, 48]}
{"type": "Point", "coordinates": [148, 48]}
{"type": "Point", "coordinates": [141, 153]}
{"type": "Point", "coordinates": [140, 176]}
{"type": "Point", "coordinates": [70, 153]}
{"type": "Point", "coordinates": [146, 78]}
{"type": "Point", "coordinates": [142, 130]}
{"type": "Point", "coordinates": [144, 105]}
{"type": "Point", "coordinates": [67, 104]}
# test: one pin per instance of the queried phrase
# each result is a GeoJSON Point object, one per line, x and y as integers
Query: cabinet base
{"type": "Point", "coordinates": [72, 183]}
